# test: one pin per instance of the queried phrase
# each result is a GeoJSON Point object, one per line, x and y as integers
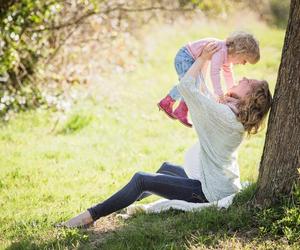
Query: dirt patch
{"type": "Point", "coordinates": [103, 228]}
{"type": "Point", "coordinates": [107, 224]}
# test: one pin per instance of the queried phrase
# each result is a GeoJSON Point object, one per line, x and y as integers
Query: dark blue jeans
{"type": "Point", "coordinates": [170, 182]}
{"type": "Point", "coordinates": [183, 61]}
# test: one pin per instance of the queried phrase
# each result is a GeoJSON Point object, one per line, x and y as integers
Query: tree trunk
{"type": "Point", "coordinates": [280, 162]}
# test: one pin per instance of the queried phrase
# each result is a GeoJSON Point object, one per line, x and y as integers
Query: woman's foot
{"type": "Point", "coordinates": [82, 220]}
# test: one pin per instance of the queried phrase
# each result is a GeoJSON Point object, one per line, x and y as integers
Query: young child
{"type": "Point", "coordinates": [239, 48]}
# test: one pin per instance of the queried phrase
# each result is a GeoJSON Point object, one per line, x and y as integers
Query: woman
{"type": "Point", "coordinates": [210, 171]}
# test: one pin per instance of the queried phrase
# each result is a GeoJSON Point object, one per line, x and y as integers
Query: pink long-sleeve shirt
{"type": "Point", "coordinates": [219, 61]}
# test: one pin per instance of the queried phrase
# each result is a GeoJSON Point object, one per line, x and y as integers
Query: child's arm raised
{"type": "Point", "coordinates": [228, 75]}
{"type": "Point", "coordinates": [215, 70]}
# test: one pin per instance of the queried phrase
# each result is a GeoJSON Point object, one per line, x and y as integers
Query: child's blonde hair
{"type": "Point", "coordinates": [244, 43]}
{"type": "Point", "coordinates": [253, 109]}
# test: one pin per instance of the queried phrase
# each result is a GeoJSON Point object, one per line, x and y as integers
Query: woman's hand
{"type": "Point", "coordinates": [207, 53]}
{"type": "Point", "coordinates": [209, 50]}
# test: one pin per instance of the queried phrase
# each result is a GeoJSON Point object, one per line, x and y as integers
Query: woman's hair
{"type": "Point", "coordinates": [253, 108]}
{"type": "Point", "coordinates": [245, 44]}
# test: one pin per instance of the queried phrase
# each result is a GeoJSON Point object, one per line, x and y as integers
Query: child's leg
{"type": "Point", "coordinates": [174, 93]}
{"type": "Point", "coordinates": [183, 61]}
{"type": "Point", "coordinates": [182, 65]}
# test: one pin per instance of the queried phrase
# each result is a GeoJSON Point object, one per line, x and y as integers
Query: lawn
{"type": "Point", "coordinates": [48, 175]}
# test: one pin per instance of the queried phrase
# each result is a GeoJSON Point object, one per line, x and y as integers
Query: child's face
{"type": "Point", "coordinates": [238, 59]}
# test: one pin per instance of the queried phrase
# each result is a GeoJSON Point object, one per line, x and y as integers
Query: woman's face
{"type": "Point", "coordinates": [243, 87]}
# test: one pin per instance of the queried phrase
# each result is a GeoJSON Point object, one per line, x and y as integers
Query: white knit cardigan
{"type": "Point", "coordinates": [213, 159]}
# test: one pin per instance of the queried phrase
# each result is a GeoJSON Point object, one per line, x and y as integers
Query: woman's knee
{"type": "Point", "coordinates": [164, 166]}
{"type": "Point", "coordinates": [138, 176]}
{"type": "Point", "coordinates": [139, 179]}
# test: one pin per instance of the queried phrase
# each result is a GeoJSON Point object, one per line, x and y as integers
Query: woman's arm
{"type": "Point", "coordinates": [200, 62]}
{"type": "Point", "coordinates": [205, 112]}
{"type": "Point", "coordinates": [193, 81]}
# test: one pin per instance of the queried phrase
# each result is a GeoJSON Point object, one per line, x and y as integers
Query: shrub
{"type": "Point", "coordinates": [282, 219]}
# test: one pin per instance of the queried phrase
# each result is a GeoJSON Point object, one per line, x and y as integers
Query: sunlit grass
{"type": "Point", "coordinates": [49, 175]}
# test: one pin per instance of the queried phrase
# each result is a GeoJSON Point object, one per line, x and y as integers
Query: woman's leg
{"type": "Point", "coordinates": [172, 169]}
{"type": "Point", "coordinates": [167, 186]}
{"type": "Point", "coordinates": [169, 169]}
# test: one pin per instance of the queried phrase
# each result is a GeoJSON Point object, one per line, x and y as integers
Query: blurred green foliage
{"type": "Point", "coordinates": [21, 46]}
{"type": "Point", "coordinates": [282, 219]}
{"type": "Point", "coordinates": [274, 12]}
{"type": "Point", "coordinates": [33, 31]}
{"type": "Point", "coordinates": [279, 12]}
{"type": "Point", "coordinates": [75, 123]}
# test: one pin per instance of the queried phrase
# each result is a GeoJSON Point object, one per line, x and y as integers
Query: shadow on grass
{"type": "Point", "coordinates": [167, 230]}
{"type": "Point", "coordinates": [55, 239]}
{"type": "Point", "coordinates": [232, 228]}
{"type": "Point", "coordinates": [173, 230]}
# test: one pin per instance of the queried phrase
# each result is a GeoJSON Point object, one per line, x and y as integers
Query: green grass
{"type": "Point", "coordinates": [49, 175]}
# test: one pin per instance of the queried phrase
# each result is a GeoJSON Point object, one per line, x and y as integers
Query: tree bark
{"type": "Point", "coordinates": [280, 162]}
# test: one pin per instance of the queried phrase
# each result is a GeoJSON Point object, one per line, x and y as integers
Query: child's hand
{"type": "Point", "coordinates": [229, 99]}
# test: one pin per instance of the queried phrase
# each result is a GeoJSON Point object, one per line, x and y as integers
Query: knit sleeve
{"type": "Point", "coordinates": [207, 115]}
